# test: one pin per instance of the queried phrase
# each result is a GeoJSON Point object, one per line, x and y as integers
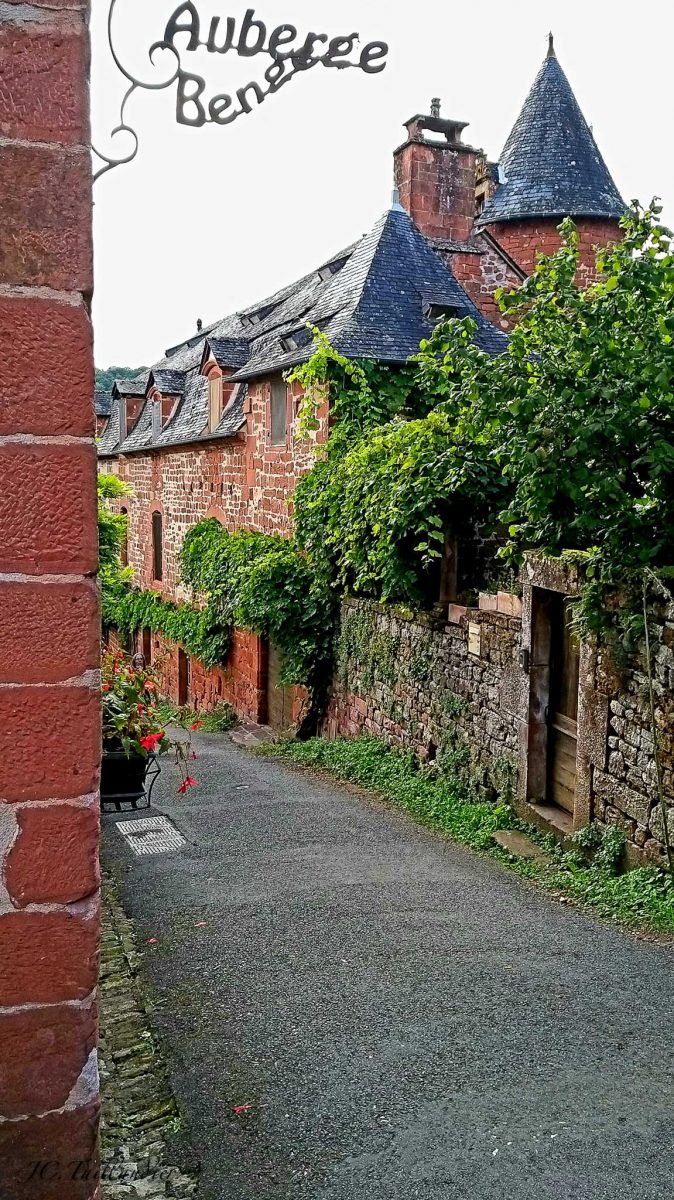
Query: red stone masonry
{"type": "Point", "coordinates": [246, 483]}
{"type": "Point", "coordinates": [49, 609]}
{"type": "Point", "coordinates": [524, 240]}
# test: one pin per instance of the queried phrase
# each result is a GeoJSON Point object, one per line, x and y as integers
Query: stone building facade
{"type": "Point", "coordinates": [50, 738]}
{"type": "Point", "coordinates": [483, 682]}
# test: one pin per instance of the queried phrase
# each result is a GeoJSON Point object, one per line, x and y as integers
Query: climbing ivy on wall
{"type": "Point", "coordinates": [395, 475]}
{"type": "Point", "coordinates": [564, 443]}
{"type": "Point", "coordinates": [199, 630]}
{"type": "Point", "coordinates": [262, 582]}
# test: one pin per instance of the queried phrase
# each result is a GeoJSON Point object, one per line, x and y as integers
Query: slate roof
{"type": "Point", "coordinates": [170, 383]}
{"type": "Point", "coordinates": [132, 387]}
{"type": "Point", "coordinates": [371, 300]}
{"type": "Point", "coordinates": [551, 165]}
{"type": "Point", "coordinates": [227, 352]}
{"type": "Point", "coordinates": [102, 403]}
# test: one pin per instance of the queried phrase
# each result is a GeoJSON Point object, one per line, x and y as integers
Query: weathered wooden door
{"type": "Point", "coordinates": [562, 714]}
{"type": "Point", "coordinates": [279, 696]}
{"type": "Point", "coordinates": [183, 678]}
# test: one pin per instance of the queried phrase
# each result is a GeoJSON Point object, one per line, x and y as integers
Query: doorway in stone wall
{"type": "Point", "coordinates": [183, 678]}
{"type": "Point", "coordinates": [279, 695]}
{"type": "Point", "coordinates": [553, 708]}
{"type": "Point", "coordinates": [562, 715]}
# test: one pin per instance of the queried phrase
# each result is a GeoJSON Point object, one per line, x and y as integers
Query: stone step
{"type": "Point", "coordinates": [520, 846]}
{"type": "Point", "coordinates": [249, 734]}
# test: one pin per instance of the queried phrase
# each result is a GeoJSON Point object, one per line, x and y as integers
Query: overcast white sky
{"type": "Point", "coordinates": [206, 221]}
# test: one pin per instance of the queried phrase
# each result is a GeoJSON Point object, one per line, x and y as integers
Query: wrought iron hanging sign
{"type": "Point", "coordinates": [290, 52]}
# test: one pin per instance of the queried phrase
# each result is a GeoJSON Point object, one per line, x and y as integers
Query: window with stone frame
{"type": "Point", "coordinates": [279, 411]}
{"type": "Point", "coordinates": [124, 545]}
{"type": "Point", "coordinates": [157, 547]}
{"type": "Point", "coordinates": [214, 402]}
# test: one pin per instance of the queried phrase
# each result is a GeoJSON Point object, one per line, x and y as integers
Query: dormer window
{"type": "Point", "coordinates": [296, 340]}
{"type": "Point", "coordinates": [131, 407]}
{"type": "Point", "coordinates": [325, 273]}
{"type": "Point", "coordinates": [441, 312]}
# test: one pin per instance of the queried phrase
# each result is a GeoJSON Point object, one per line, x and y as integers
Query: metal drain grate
{"type": "Point", "coordinates": [151, 835]}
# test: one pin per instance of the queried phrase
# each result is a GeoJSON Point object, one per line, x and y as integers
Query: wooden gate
{"type": "Point", "coordinates": [279, 696]}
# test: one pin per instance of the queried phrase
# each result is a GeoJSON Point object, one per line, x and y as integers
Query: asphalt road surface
{"type": "Point", "coordinates": [394, 1016]}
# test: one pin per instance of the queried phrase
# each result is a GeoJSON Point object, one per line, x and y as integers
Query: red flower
{"type": "Point", "coordinates": [141, 708]}
{"type": "Point", "coordinates": [150, 685]}
{"type": "Point", "coordinates": [151, 741]}
{"type": "Point", "coordinates": [197, 725]}
{"type": "Point", "coordinates": [106, 687]}
{"type": "Point", "coordinates": [186, 783]}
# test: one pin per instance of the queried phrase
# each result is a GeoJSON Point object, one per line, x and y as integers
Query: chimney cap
{"type": "Point", "coordinates": [435, 124]}
{"type": "Point", "coordinates": [200, 324]}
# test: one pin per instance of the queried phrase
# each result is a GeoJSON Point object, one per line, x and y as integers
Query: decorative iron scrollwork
{"type": "Point", "coordinates": [192, 108]}
{"type": "Point", "coordinates": [111, 161]}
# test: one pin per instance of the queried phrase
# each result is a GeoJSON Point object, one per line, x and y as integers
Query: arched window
{"type": "Point", "coordinates": [124, 546]}
{"type": "Point", "coordinates": [157, 547]}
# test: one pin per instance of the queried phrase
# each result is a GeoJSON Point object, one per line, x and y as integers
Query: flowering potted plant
{"type": "Point", "coordinates": [133, 736]}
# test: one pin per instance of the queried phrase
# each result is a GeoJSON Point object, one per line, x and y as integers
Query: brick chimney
{"type": "Point", "coordinates": [436, 176]}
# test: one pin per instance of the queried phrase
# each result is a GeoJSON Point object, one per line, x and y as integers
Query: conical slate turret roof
{"type": "Point", "coordinates": [551, 166]}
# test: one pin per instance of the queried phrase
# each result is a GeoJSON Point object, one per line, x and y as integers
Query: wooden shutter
{"type": "Point", "coordinates": [214, 402]}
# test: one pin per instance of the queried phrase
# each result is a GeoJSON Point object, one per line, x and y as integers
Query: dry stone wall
{"type": "Point", "coordinates": [465, 686]}
{"type": "Point", "coordinates": [414, 681]}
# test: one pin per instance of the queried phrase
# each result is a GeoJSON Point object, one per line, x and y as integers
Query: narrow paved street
{"type": "Point", "coordinates": [404, 1019]}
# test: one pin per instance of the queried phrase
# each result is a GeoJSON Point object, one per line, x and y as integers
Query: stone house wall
{"type": "Point", "coordinates": [246, 484]}
{"type": "Point", "coordinates": [524, 240]}
{"type": "Point", "coordinates": [244, 481]}
{"type": "Point", "coordinates": [241, 681]}
{"type": "Point", "coordinates": [477, 681]}
{"type": "Point", "coordinates": [50, 741]}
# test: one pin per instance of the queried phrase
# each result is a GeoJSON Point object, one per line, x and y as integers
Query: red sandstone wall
{"type": "Point", "coordinates": [49, 619]}
{"type": "Point", "coordinates": [523, 240]}
{"type": "Point", "coordinates": [481, 274]}
{"type": "Point", "coordinates": [241, 682]}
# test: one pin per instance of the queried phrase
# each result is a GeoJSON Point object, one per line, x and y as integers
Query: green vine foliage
{"type": "Point", "coordinates": [111, 532]}
{"type": "Point", "coordinates": [395, 476]}
{"type": "Point", "coordinates": [262, 582]}
{"type": "Point", "coordinates": [199, 630]}
{"type": "Point", "coordinates": [563, 444]}
{"type": "Point", "coordinates": [579, 415]}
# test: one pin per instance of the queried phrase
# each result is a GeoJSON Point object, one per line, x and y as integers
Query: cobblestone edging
{"type": "Point", "coordinates": [139, 1108]}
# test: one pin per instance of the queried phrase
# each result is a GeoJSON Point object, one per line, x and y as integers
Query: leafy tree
{"type": "Point", "coordinates": [579, 413]}
{"type": "Point", "coordinates": [401, 468]}
{"type": "Point", "coordinates": [111, 531]}
{"type": "Point", "coordinates": [105, 377]}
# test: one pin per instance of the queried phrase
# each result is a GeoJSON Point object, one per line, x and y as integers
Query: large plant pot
{"type": "Point", "coordinates": [123, 777]}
